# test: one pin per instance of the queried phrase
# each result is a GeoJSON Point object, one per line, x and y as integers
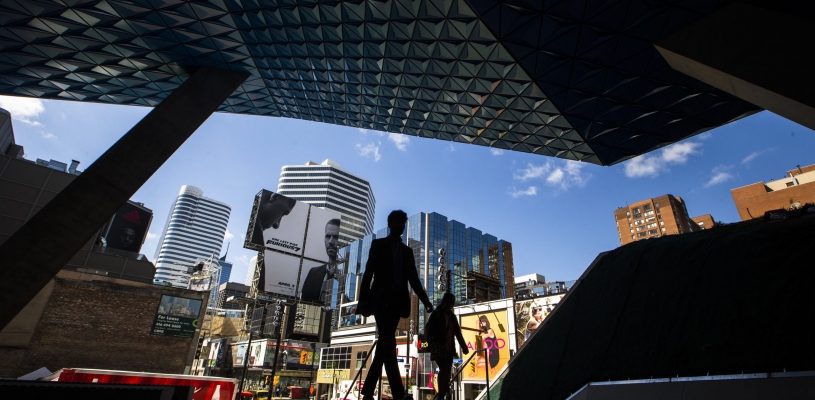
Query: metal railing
{"type": "Point", "coordinates": [364, 362]}
{"type": "Point", "coordinates": [456, 378]}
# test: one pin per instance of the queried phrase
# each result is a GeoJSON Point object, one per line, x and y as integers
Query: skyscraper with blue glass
{"type": "Point", "coordinates": [466, 249]}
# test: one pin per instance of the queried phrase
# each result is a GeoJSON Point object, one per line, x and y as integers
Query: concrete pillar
{"type": "Point", "coordinates": [39, 249]}
{"type": "Point", "coordinates": [754, 52]}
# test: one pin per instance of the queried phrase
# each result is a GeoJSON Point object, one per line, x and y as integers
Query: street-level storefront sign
{"type": "Point", "coordinates": [333, 375]}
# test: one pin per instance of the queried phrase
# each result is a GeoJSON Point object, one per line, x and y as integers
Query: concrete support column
{"type": "Point", "coordinates": [39, 249]}
{"type": "Point", "coordinates": [753, 52]}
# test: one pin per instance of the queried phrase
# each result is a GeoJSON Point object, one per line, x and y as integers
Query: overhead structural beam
{"type": "Point", "coordinates": [31, 257]}
{"type": "Point", "coordinates": [758, 54]}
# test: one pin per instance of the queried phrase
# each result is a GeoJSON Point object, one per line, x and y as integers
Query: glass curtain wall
{"type": "Point", "coordinates": [474, 250]}
{"type": "Point", "coordinates": [457, 259]}
{"type": "Point", "coordinates": [489, 266]}
{"type": "Point", "coordinates": [437, 239]}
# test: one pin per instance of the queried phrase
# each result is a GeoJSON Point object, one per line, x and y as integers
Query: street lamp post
{"type": "Point", "coordinates": [245, 360]}
{"type": "Point", "coordinates": [276, 322]}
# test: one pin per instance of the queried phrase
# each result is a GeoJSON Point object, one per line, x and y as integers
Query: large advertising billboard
{"type": "Point", "coordinates": [529, 314]}
{"type": "Point", "coordinates": [128, 228]}
{"type": "Point", "coordinates": [176, 316]}
{"type": "Point", "coordinates": [280, 273]}
{"type": "Point", "coordinates": [485, 330]}
{"type": "Point", "coordinates": [200, 283]}
{"type": "Point", "coordinates": [279, 226]}
{"type": "Point", "coordinates": [323, 235]}
{"type": "Point", "coordinates": [313, 280]}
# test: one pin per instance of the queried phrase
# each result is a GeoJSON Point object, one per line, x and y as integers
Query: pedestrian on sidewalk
{"type": "Point", "coordinates": [441, 332]}
{"type": "Point", "coordinates": [391, 267]}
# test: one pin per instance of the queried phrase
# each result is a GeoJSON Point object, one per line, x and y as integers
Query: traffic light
{"type": "Point", "coordinates": [198, 349]}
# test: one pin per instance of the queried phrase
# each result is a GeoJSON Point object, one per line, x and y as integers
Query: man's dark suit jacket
{"type": "Point", "coordinates": [383, 296]}
{"type": "Point", "coordinates": [312, 287]}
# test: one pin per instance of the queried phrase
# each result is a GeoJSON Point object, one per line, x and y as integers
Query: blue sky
{"type": "Point", "coordinates": [557, 214]}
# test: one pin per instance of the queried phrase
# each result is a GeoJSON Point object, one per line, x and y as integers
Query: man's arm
{"type": "Point", "coordinates": [415, 283]}
{"type": "Point", "coordinates": [367, 276]}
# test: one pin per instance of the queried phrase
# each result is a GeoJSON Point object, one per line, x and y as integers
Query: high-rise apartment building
{"type": "Point", "coordinates": [466, 249]}
{"type": "Point", "coordinates": [704, 221]}
{"type": "Point", "coordinates": [327, 186]}
{"type": "Point", "coordinates": [655, 217]}
{"type": "Point", "coordinates": [194, 230]}
{"type": "Point", "coordinates": [793, 191]}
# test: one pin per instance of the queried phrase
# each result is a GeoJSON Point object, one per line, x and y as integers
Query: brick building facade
{"type": "Point", "coordinates": [91, 321]}
{"type": "Point", "coordinates": [792, 191]}
{"type": "Point", "coordinates": [655, 217]}
{"type": "Point", "coordinates": [704, 221]}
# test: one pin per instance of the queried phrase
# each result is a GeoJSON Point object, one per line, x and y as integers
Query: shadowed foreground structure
{"type": "Point", "coordinates": [736, 299]}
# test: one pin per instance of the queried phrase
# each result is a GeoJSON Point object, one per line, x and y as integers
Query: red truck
{"type": "Point", "coordinates": [206, 387]}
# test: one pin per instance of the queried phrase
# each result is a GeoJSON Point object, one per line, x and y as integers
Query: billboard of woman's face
{"type": "Point", "coordinates": [529, 315]}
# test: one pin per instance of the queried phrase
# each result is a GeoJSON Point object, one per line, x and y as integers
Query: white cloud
{"type": "Point", "coordinates": [532, 171]}
{"type": "Point", "coordinates": [555, 177]}
{"type": "Point", "coordinates": [720, 174]}
{"type": "Point", "coordinates": [705, 136]}
{"type": "Point", "coordinates": [23, 109]}
{"type": "Point", "coordinates": [496, 152]}
{"type": "Point", "coordinates": [400, 140]}
{"type": "Point", "coordinates": [556, 174]}
{"type": "Point", "coordinates": [151, 236]}
{"type": "Point", "coordinates": [568, 175]}
{"type": "Point", "coordinates": [678, 153]}
{"type": "Point", "coordinates": [653, 165]}
{"type": "Point", "coordinates": [530, 191]}
{"type": "Point", "coordinates": [228, 235]}
{"type": "Point", "coordinates": [48, 135]}
{"type": "Point", "coordinates": [451, 147]}
{"type": "Point", "coordinates": [643, 166]}
{"type": "Point", "coordinates": [751, 157]}
{"type": "Point", "coordinates": [369, 150]}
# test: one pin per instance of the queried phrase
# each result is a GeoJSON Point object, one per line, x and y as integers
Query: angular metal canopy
{"type": "Point", "coordinates": [578, 80]}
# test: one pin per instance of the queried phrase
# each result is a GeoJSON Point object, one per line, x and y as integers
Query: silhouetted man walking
{"type": "Point", "coordinates": [393, 266]}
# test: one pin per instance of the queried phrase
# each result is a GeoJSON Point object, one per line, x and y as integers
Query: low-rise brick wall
{"type": "Point", "coordinates": [102, 323]}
